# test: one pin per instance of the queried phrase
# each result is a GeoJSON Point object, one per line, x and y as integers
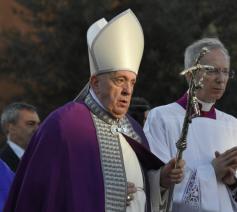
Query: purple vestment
{"type": "Point", "coordinates": [61, 169]}
{"type": "Point", "coordinates": [207, 114]}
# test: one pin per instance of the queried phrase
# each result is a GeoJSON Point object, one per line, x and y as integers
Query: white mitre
{"type": "Point", "coordinates": [115, 45]}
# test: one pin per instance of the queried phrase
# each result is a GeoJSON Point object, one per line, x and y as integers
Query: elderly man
{"type": "Point", "coordinates": [19, 121]}
{"type": "Point", "coordinates": [88, 155]}
{"type": "Point", "coordinates": [209, 183]}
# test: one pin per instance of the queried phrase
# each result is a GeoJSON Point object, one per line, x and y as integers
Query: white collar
{"type": "Point", "coordinates": [206, 106]}
{"type": "Point", "coordinates": [19, 151]}
{"type": "Point", "coordinates": [96, 99]}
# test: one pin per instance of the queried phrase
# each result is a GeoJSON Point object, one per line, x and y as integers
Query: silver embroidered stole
{"type": "Point", "coordinates": [114, 176]}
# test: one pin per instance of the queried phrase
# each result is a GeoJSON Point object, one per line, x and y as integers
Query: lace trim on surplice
{"type": "Point", "coordinates": [192, 194]}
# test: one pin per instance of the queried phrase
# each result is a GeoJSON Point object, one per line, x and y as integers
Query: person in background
{"type": "Point", "coordinates": [18, 121]}
{"type": "Point", "coordinates": [209, 182]}
{"type": "Point", "coordinates": [139, 109]}
{"type": "Point", "coordinates": [88, 155]}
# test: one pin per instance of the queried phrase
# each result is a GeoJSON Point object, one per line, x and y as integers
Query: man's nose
{"type": "Point", "coordinates": [221, 77]}
{"type": "Point", "coordinates": [36, 127]}
{"type": "Point", "coordinates": [128, 88]}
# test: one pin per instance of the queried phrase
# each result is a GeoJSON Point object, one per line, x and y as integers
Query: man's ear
{"type": "Point", "coordinates": [10, 128]}
{"type": "Point", "coordinates": [94, 83]}
{"type": "Point", "coordinates": [188, 77]}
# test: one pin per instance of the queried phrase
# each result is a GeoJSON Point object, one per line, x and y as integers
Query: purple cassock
{"type": "Point", "coordinates": [208, 114]}
{"type": "Point", "coordinates": [6, 177]}
{"type": "Point", "coordinates": [61, 169]}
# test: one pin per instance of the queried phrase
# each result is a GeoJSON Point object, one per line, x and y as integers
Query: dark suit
{"type": "Point", "coordinates": [9, 157]}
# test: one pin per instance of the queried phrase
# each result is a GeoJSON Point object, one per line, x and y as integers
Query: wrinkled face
{"type": "Point", "coordinates": [22, 131]}
{"type": "Point", "coordinates": [215, 81]}
{"type": "Point", "coordinates": [114, 90]}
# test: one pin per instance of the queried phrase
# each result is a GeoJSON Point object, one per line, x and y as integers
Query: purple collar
{"type": "Point", "coordinates": [207, 114]}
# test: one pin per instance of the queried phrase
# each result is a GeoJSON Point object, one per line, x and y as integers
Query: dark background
{"type": "Point", "coordinates": [44, 60]}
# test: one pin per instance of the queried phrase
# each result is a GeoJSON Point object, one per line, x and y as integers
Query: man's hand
{"type": "Point", "coordinates": [131, 190]}
{"type": "Point", "coordinates": [225, 165]}
{"type": "Point", "coordinates": [171, 175]}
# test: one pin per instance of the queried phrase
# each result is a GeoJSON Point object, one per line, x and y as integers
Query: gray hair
{"type": "Point", "coordinates": [10, 114]}
{"type": "Point", "coordinates": [193, 50]}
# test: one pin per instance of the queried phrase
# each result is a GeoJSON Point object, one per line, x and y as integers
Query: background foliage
{"type": "Point", "coordinates": [51, 61]}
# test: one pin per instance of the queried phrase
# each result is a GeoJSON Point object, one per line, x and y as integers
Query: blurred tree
{"type": "Point", "coordinates": [51, 62]}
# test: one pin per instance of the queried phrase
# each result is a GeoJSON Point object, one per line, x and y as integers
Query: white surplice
{"type": "Point", "coordinates": [134, 174]}
{"type": "Point", "coordinates": [199, 190]}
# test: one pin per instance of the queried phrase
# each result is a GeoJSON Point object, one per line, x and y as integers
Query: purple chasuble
{"type": "Point", "coordinates": [61, 169]}
{"type": "Point", "coordinates": [207, 114]}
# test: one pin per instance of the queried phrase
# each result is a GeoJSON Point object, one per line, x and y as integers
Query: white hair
{"type": "Point", "coordinates": [193, 50]}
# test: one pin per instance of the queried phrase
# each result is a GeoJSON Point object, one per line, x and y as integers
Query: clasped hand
{"type": "Point", "coordinates": [225, 166]}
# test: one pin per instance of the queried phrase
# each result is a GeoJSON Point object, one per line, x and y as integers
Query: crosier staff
{"type": "Point", "coordinates": [192, 108]}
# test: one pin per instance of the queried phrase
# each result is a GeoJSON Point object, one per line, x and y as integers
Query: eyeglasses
{"type": "Point", "coordinates": [226, 72]}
